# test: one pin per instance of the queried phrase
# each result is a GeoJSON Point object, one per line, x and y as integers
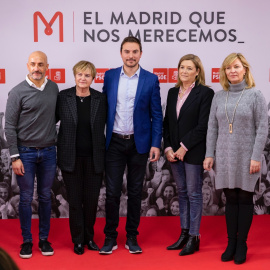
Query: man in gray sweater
{"type": "Point", "coordinates": [31, 136]}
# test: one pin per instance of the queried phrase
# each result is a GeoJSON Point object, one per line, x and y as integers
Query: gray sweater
{"type": "Point", "coordinates": [30, 116]}
{"type": "Point", "coordinates": [233, 152]}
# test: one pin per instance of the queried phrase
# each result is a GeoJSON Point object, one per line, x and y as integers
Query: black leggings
{"type": "Point", "coordinates": [238, 196]}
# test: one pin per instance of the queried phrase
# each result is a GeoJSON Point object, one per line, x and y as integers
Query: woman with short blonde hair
{"type": "Point", "coordinates": [82, 111]}
{"type": "Point", "coordinates": [227, 62]}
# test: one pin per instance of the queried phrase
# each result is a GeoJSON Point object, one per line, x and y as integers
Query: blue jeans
{"type": "Point", "coordinates": [42, 163]}
{"type": "Point", "coordinates": [189, 178]}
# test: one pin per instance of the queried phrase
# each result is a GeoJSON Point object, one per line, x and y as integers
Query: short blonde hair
{"type": "Point", "coordinates": [84, 65]}
{"type": "Point", "coordinates": [200, 78]}
{"type": "Point", "coordinates": [227, 61]}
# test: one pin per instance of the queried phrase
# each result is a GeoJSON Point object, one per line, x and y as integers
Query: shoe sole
{"type": "Point", "coordinates": [239, 262]}
{"type": "Point", "coordinates": [227, 260]}
{"type": "Point", "coordinates": [132, 252]}
{"type": "Point", "coordinates": [108, 252]}
{"type": "Point", "coordinates": [25, 256]}
{"type": "Point", "coordinates": [47, 253]}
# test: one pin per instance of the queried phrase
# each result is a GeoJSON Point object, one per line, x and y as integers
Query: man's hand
{"type": "Point", "coordinates": [17, 167]}
{"type": "Point", "coordinates": [154, 154]}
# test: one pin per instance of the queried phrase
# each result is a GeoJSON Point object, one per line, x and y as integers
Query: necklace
{"type": "Point", "coordinates": [231, 122]}
{"type": "Point", "coordinates": [82, 98]}
{"type": "Point", "coordinates": [81, 92]}
{"type": "Point", "coordinates": [181, 92]}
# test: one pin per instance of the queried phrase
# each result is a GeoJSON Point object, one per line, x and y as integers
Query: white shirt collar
{"type": "Point", "coordinates": [41, 88]}
{"type": "Point", "coordinates": [137, 73]}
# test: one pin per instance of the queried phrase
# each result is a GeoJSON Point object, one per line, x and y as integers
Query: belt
{"type": "Point", "coordinates": [37, 148]}
{"type": "Point", "coordinates": [126, 137]}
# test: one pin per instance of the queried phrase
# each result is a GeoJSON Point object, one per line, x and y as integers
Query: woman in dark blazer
{"type": "Point", "coordinates": [184, 132]}
{"type": "Point", "coordinates": [81, 152]}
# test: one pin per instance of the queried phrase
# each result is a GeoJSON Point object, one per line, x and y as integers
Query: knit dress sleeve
{"type": "Point", "coordinates": [261, 125]}
{"type": "Point", "coordinates": [212, 131]}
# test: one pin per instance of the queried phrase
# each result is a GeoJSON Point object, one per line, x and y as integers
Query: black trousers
{"type": "Point", "coordinates": [122, 153]}
{"type": "Point", "coordinates": [83, 186]}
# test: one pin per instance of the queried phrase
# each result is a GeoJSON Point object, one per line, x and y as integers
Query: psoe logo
{"type": "Point", "coordinates": [2, 76]}
{"type": "Point", "coordinates": [215, 75]}
{"type": "Point", "coordinates": [162, 74]}
{"type": "Point", "coordinates": [57, 75]}
{"type": "Point", "coordinates": [173, 75]}
{"type": "Point", "coordinates": [48, 25]}
{"type": "Point", "coordinates": [100, 75]}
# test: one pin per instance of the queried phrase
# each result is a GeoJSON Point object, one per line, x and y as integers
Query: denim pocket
{"type": "Point", "coordinates": [50, 148]}
{"type": "Point", "coordinates": [23, 149]}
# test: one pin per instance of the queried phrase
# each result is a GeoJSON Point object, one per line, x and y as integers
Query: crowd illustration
{"type": "Point", "coordinates": [159, 195]}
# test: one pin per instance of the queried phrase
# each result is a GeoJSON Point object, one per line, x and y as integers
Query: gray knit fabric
{"type": "Point", "coordinates": [30, 116]}
{"type": "Point", "coordinates": [233, 152]}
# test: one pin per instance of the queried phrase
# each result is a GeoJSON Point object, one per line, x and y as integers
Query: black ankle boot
{"type": "Point", "coordinates": [230, 251]}
{"type": "Point", "coordinates": [192, 245]}
{"type": "Point", "coordinates": [244, 223]}
{"type": "Point", "coordinates": [179, 244]}
{"type": "Point", "coordinates": [231, 214]}
{"type": "Point", "coordinates": [241, 252]}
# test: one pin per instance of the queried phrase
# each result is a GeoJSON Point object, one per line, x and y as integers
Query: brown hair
{"type": "Point", "coordinates": [200, 78]}
{"type": "Point", "coordinates": [131, 40]}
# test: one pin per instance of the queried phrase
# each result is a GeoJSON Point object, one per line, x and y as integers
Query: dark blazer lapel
{"type": "Point", "coordinates": [140, 86]}
{"type": "Point", "coordinates": [174, 99]}
{"type": "Point", "coordinates": [94, 106]}
{"type": "Point", "coordinates": [71, 100]}
{"type": "Point", "coordinates": [190, 99]}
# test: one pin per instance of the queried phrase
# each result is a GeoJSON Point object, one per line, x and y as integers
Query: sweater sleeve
{"type": "Point", "coordinates": [212, 131]}
{"type": "Point", "coordinates": [261, 126]}
{"type": "Point", "coordinates": [13, 109]}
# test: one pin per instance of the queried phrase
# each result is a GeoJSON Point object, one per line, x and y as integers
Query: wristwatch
{"type": "Point", "coordinates": [14, 158]}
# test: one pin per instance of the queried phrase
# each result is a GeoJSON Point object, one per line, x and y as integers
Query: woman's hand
{"type": "Point", "coordinates": [170, 156]}
{"type": "Point", "coordinates": [208, 163]}
{"type": "Point", "coordinates": [258, 210]}
{"type": "Point", "coordinates": [180, 153]}
{"type": "Point", "coordinates": [255, 166]}
{"type": "Point", "coordinates": [4, 210]}
{"type": "Point", "coordinates": [160, 164]}
{"type": "Point", "coordinates": [160, 203]}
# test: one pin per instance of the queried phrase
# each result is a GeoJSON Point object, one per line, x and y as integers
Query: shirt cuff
{"type": "Point", "coordinates": [183, 146]}
{"type": "Point", "coordinates": [15, 155]}
{"type": "Point", "coordinates": [167, 149]}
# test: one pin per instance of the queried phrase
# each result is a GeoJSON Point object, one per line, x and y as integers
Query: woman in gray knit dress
{"type": "Point", "coordinates": [236, 136]}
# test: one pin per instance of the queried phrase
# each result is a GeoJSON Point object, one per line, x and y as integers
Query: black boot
{"type": "Point", "coordinates": [179, 244]}
{"type": "Point", "coordinates": [231, 214]}
{"type": "Point", "coordinates": [244, 222]}
{"type": "Point", "coordinates": [192, 245]}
